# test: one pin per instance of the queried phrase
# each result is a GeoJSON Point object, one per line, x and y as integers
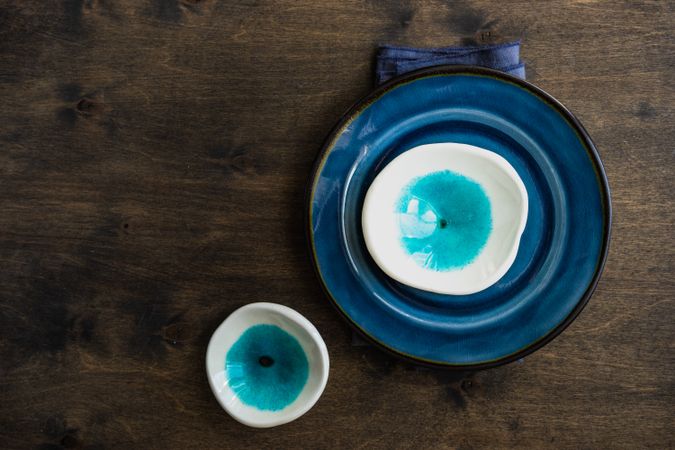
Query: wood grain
{"type": "Point", "coordinates": [153, 156]}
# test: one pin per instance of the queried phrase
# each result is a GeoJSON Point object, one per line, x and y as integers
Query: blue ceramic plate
{"type": "Point", "coordinates": [563, 247]}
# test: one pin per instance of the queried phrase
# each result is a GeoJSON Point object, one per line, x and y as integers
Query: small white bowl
{"type": "Point", "coordinates": [225, 383]}
{"type": "Point", "coordinates": [382, 229]}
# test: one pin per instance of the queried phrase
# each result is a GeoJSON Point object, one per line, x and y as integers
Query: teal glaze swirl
{"type": "Point", "coordinates": [444, 219]}
{"type": "Point", "coordinates": [267, 368]}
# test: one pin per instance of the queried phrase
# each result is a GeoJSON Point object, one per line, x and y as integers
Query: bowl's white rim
{"type": "Point", "coordinates": [496, 160]}
{"type": "Point", "coordinates": [316, 338]}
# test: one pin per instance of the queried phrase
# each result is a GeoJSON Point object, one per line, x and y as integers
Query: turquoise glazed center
{"type": "Point", "coordinates": [444, 220]}
{"type": "Point", "coordinates": [267, 368]}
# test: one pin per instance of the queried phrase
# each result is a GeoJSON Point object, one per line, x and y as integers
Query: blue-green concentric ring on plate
{"type": "Point", "coordinates": [562, 250]}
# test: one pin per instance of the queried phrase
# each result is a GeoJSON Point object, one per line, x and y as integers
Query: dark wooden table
{"type": "Point", "coordinates": [153, 157]}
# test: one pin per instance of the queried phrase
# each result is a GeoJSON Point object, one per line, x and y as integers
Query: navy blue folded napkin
{"type": "Point", "coordinates": [394, 60]}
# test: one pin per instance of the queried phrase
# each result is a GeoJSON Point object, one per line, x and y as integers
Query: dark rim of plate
{"type": "Point", "coordinates": [442, 70]}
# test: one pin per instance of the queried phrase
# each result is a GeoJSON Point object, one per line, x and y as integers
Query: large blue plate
{"type": "Point", "coordinates": [563, 248]}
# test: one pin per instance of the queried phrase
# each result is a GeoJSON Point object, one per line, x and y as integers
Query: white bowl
{"type": "Point", "coordinates": [233, 379]}
{"type": "Point", "coordinates": [385, 224]}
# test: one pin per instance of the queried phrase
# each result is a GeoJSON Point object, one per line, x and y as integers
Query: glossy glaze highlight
{"type": "Point", "coordinates": [267, 368]}
{"type": "Point", "coordinates": [444, 219]}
